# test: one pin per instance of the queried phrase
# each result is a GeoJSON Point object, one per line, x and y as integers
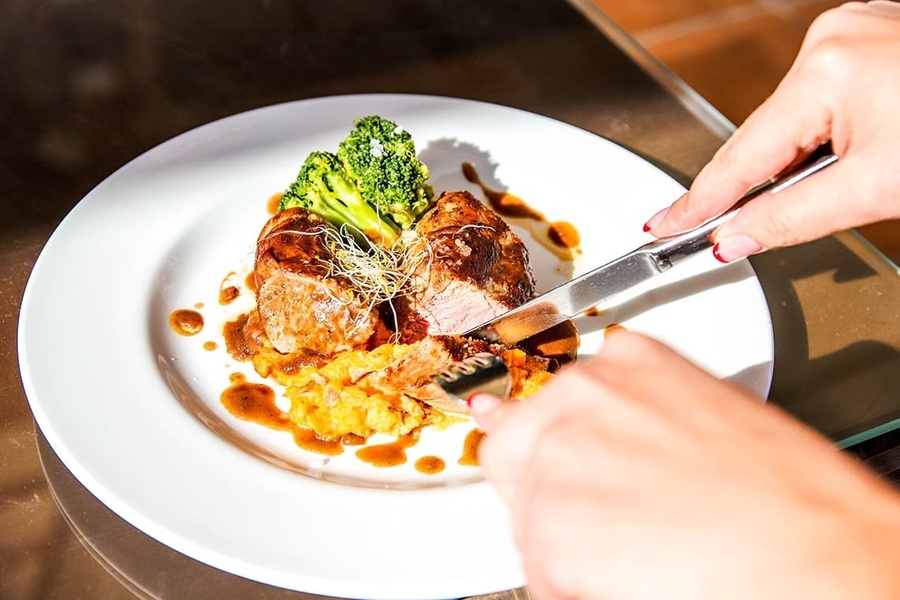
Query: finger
{"type": "Point", "coordinates": [514, 426]}
{"type": "Point", "coordinates": [771, 139]}
{"type": "Point", "coordinates": [797, 214]}
{"type": "Point", "coordinates": [485, 410]}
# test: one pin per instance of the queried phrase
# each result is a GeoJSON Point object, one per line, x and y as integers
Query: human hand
{"type": "Point", "coordinates": [636, 475]}
{"type": "Point", "coordinates": [843, 87]}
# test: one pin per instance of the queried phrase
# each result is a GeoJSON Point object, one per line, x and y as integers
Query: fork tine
{"type": "Point", "coordinates": [483, 372]}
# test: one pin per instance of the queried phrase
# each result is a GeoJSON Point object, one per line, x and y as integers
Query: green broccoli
{"type": "Point", "coordinates": [325, 188]}
{"type": "Point", "coordinates": [381, 157]}
{"type": "Point", "coordinates": [374, 183]}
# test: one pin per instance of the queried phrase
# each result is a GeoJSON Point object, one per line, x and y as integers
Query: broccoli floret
{"type": "Point", "coordinates": [381, 157]}
{"type": "Point", "coordinates": [325, 188]}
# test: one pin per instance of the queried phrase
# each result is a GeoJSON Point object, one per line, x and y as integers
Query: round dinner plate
{"type": "Point", "coordinates": [133, 409]}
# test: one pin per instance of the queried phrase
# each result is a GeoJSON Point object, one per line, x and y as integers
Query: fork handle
{"type": "Point", "coordinates": [667, 251]}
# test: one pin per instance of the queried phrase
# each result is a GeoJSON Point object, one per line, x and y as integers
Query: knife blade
{"type": "Point", "coordinates": [604, 283]}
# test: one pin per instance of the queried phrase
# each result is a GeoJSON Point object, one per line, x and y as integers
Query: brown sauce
{"type": "Point", "coordinates": [308, 440]}
{"type": "Point", "coordinates": [186, 322]}
{"type": "Point", "coordinates": [593, 312]}
{"type": "Point", "coordinates": [228, 292]}
{"type": "Point", "coordinates": [235, 338]}
{"type": "Point", "coordinates": [273, 202]}
{"type": "Point", "coordinates": [560, 238]}
{"type": "Point", "coordinates": [564, 234]}
{"type": "Point", "coordinates": [198, 305]}
{"type": "Point", "coordinates": [502, 202]}
{"type": "Point", "coordinates": [391, 454]}
{"type": "Point", "coordinates": [470, 448]}
{"type": "Point", "coordinates": [559, 344]}
{"type": "Point", "coordinates": [430, 465]}
{"type": "Point", "coordinates": [210, 345]}
{"type": "Point", "coordinates": [611, 328]}
{"type": "Point", "coordinates": [250, 282]}
{"type": "Point", "coordinates": [254, 402]}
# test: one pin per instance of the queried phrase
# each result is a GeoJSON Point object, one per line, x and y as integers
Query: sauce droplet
{"type": "Point", "coordinates": [210, 345]}
{"type": "Point", "coordinates": [228, 292]}
{"type": "Point", "coordinates": [470, 448]}
{"type": "Point", "coordinates": [186, 322]}
{"type": "Point", "coordinates": [430, 465]}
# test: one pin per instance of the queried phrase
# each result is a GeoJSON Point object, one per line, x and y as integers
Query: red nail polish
{"type": "Point", "coordinates": [469, 399]}
{"type": "Point", "coordinates": [715, 251]}
{"type": "Point", "coordinates": [647, 228]}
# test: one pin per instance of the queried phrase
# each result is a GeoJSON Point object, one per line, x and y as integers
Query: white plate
{"type": "Point", "coordinates": [133, 409]}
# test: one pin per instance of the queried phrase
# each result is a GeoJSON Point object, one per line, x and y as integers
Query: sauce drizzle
{"type": "Point", "coordinates": [390, 454]}
{"type": "Point", "coordinates": [469, 456]}
{"type": "Point", "coordinates": [503, 203]}
{"type": "Point", "coordinates": [559, 237]}
{"type": "Point", "coordinates": [255, 402]}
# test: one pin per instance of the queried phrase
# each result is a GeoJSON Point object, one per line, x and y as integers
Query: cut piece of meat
{"type": "Point", "coordinates": [478, 270]}
{"type": "Point", "coordinates": [300, 305]}
{"type": "Point", "coordinates": [411, 374]}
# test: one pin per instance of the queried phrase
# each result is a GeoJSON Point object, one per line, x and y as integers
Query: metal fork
{"type": "Point", "coordinates": [482, 372]}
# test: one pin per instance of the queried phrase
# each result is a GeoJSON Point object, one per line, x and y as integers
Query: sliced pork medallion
{"type": "Point", "coordinates": [479, 269]}
{"type": "Point", "coordinates": [300, 305]}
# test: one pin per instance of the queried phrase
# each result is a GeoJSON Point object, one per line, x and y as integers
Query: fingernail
{"type": "Point", "coordinates": [655, 219]}
{"type": "Point", "coordinates": [482, 403]}
{"type": "Point", "coordinates": [734, 247]}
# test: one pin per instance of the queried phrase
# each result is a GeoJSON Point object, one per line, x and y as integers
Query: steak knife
{"type": "Point", "coordinates": [604, 283]}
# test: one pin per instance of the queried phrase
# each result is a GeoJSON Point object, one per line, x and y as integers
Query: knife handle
{"type": "Point", "coordinates": [667, 251]}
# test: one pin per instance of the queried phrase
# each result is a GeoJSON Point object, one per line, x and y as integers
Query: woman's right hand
{"type": "Point", "coordinates": [844, 87]}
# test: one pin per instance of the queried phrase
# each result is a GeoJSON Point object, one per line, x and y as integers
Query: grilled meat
{"type": "Point", "coordinates": [300, 305]}
{"type": "Point", "coordinates": [479, 269]}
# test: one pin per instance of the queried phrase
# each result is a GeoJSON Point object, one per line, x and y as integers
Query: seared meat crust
{"type": "Point", "coordinates": [480, 269]}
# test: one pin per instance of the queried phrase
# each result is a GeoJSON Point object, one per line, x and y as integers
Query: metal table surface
{"type": "Point", "coordinates": [88, 86]}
